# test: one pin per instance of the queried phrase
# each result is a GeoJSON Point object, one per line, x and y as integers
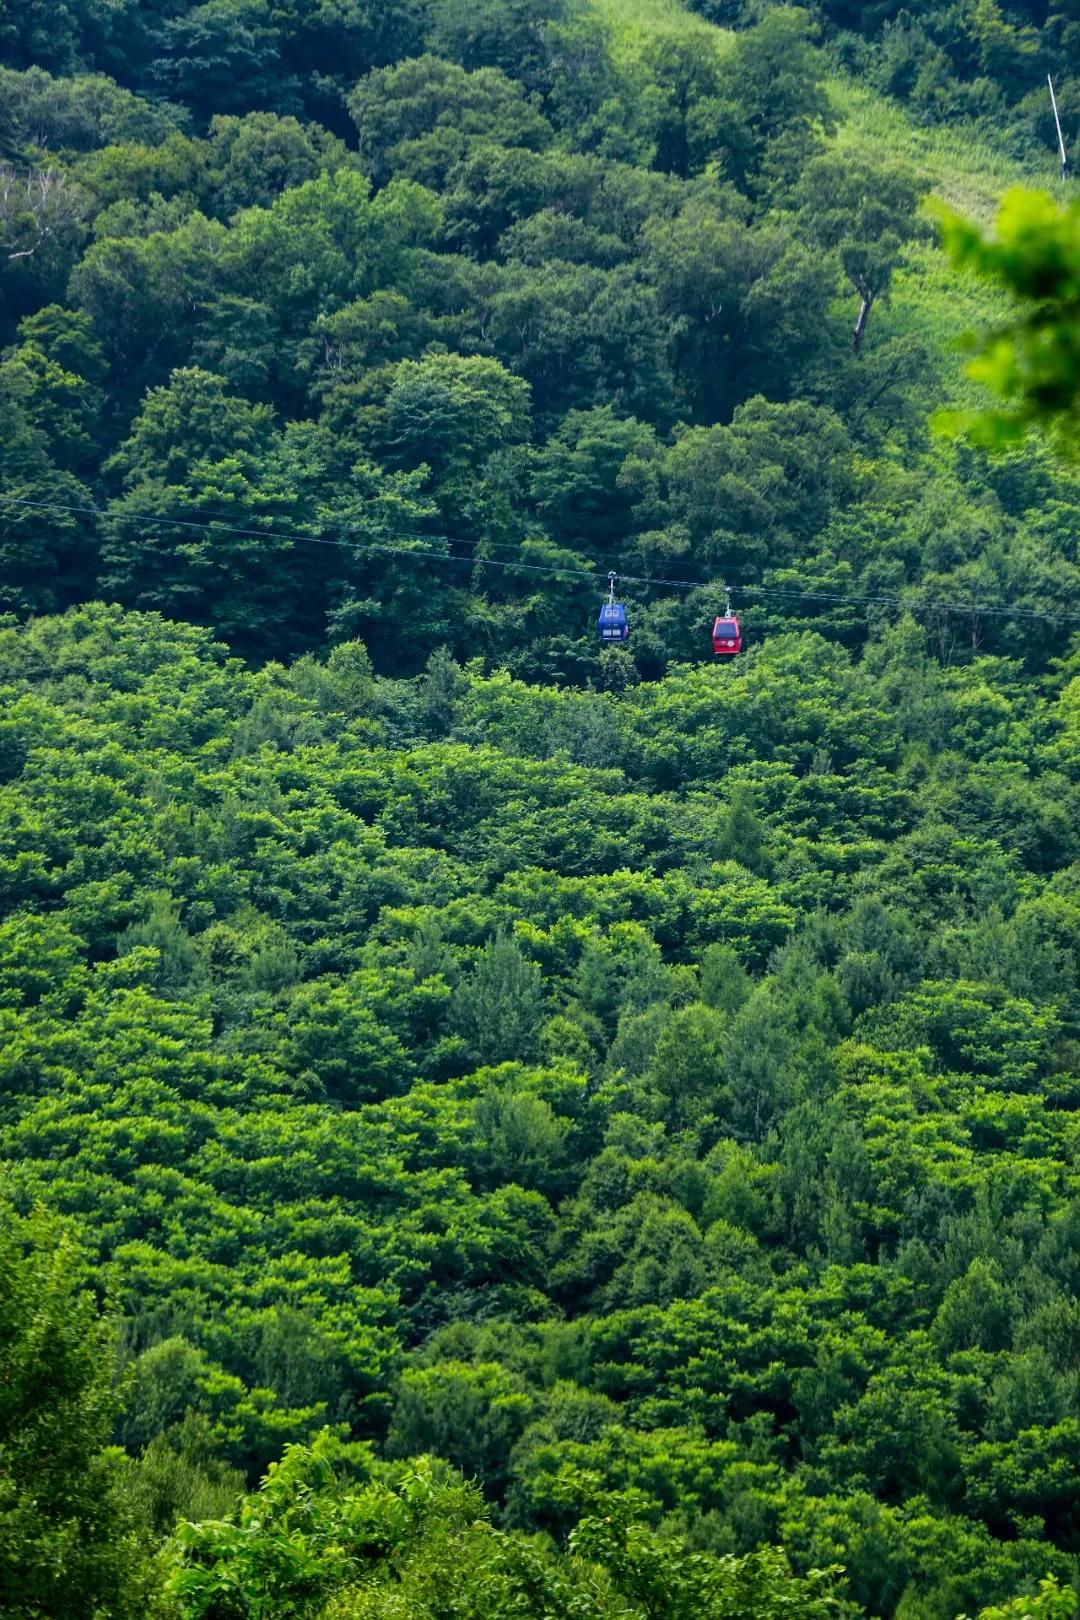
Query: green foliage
{"type": "Point", "coordinates": [1050, 1603]}
{"type": "Point", "coordinates": [419, 117]}
{"type": "Point", "coordinates": [1030, 362]}
{"type": "Point", "coordinates": [242, 1030]}
{"type": "Point", "coordinates": [69, 1543]}
{"type": "Point", "coordinates": [313, 1543]}
{"type": "Point", "coordinates": [866, 214]}
{"type": "Point", "coordinates": [498, 1008]}
{"type": "Point", "coordinates": [644, 1084]}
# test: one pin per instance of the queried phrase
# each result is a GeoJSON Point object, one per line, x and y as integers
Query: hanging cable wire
{"type": "Point", "coordinates": [402, 551]}
{"type": "Point", "coordinates": [223, 523]}
{"type": "Point", "coordinates": [407, 549]}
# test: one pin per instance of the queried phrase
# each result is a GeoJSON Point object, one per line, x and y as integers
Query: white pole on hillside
{"type": "Point", "coordinates": [1060, 136]}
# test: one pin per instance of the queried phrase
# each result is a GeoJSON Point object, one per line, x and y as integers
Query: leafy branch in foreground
{"type": "Point", "coordinates": [1032, 360]}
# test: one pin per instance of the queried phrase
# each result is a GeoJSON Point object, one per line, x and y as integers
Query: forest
{"type": "Point", "coordinates": [494, 1127]}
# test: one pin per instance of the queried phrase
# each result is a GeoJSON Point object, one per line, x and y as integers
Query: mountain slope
{"type": "Point", "coordinates": [642, 1085]}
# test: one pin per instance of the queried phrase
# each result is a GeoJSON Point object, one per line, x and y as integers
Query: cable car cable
{"type": "Point", "coordinates": [222, 522]}
{"type": "Point", "coordinates": [406, 549]}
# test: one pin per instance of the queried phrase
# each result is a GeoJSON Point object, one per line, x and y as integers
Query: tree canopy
{"type": "Point", "coordinates": [491, 1126]}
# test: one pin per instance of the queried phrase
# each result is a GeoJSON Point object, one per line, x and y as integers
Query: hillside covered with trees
{"type": "Point", "coordinates": [489, 1126]}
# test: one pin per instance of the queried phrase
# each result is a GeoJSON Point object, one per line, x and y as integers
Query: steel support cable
{"type": "Point", "coordinates": [407, 549]}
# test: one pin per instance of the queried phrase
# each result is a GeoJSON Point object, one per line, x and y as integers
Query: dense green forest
{"type": "Point", "coordinates": [490, 1126]}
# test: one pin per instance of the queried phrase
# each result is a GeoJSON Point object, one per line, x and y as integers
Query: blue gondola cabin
{"type": "Point", "coordinates": [612, 623]}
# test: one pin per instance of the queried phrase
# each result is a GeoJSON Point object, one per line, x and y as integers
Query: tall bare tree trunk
{"type": "Point", "coordinates": [860, 325]}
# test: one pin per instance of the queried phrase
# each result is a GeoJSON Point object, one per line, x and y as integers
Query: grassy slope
{"type": "Point", "coordinates": [929, 299]}
{"type": "Point", "coordinates": [965, 172]}
{"type": "Point", "coordinates": [634, 22]}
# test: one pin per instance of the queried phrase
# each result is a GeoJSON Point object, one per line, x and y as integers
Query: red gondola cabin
{"type": "Point", "coordinates": [726, 636]}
